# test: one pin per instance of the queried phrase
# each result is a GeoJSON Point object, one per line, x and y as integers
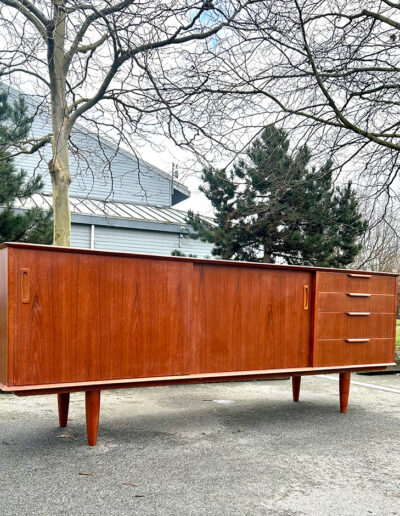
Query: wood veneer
{"type": "Point", "coordinates": [3, 315]}
{"type": "Point", "coordinates": [340, 325]}
{"type": "Point", "coordinates": [344, 282]}
{"type": "Point", "coordinates": [79, 320]}
{"type": "Point", "coordinates": [356, 301]}
{"type": "Point", "coordinates": [246, 319]}
{"type": "Point", "coordinates": [338, 352]}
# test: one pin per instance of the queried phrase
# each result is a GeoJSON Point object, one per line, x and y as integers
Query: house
{"type": "Point", "coordinates": [118, 201]}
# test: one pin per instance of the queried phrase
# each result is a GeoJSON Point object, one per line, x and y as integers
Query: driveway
{"type": "Point", "coordinates": [218, 449]}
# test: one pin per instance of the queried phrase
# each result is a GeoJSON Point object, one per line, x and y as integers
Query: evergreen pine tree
{"type": "Point", "coordinates": [272, 205]}
{"type": "Point", "coordinates": [32, 225]}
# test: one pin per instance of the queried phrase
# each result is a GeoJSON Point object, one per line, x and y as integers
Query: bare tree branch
{"type": "Point", "coordinates": [31, 13]}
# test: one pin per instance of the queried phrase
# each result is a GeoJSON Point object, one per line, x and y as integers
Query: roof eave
{"type": "Point", "coordinates": [180, 193]}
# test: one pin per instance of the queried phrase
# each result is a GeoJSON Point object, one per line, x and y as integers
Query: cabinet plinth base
{"type": "Point", "coordinates": [92, 392]}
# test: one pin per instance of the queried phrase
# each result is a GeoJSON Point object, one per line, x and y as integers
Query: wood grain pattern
{"type": "Point", "coordinates": [334, 325]}
{"type": "Point", "coordinates": [94, 318]}
{"type": "Point", "coordinates": [230, 263]}
{"type": "Point", "coordinates": [396, 290]}
{"type": "Point", "coordinates": [343, 282]}
{"type": "Point", "coordinates": [230, 376]}
{"type": "Point", "coordinates": [246, 319]}
{"type": "Point", "coordinates": [337, 352]}
{"type": "Point", "coordinates": [314, 318]}
{"type": "Point", "coordinates": [343, 302]}
{"type": "Point", "coordinates": [74, 320]}
{"type": "Point", "coordinates": [3, 316]}
{"type": "Point", "coordinates": [32, 327]}
{"type": "Point", "coordinates": [12, 302]}
{"type": "Point", "coordinates": [355, 324]}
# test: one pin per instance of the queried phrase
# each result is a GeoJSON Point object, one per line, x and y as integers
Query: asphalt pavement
{"type": "Point", "coordinates": [240, 448]}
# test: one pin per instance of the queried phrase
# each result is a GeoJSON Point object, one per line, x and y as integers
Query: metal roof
{"type": "Point", "coordinates": [110, 209]}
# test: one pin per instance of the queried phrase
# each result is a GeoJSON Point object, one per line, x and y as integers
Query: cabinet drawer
{"type": "Point", "coordinates": [338, 352]}
{"type": "Point", "coordinates": [356, 302]}
{"type": "Point", "coordinates": [354, 282]}
{"type": "Point", "coordinates": [342, 326]}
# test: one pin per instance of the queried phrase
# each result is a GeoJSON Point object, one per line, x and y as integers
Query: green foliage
{"type": "Point", "coordinates": [177, 252]}
{"type": "Point", "coordinates": [31, 225]}
{"type": "Point", "coordinates": [272, 205]}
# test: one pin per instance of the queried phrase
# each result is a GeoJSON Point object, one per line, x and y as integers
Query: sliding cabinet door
{"type": "Point", "coordinates": [249, 318]}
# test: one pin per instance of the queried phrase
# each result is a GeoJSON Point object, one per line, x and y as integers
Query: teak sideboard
{"type": "Point", "coordinates": [86, 320]}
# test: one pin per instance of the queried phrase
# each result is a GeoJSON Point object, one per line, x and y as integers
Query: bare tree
{"type": "Point", "coordinates": [381, 243]}
{"type": "Point", "coordinates": [133, 68]}
{"type": "Point", "coordinates": [329, 69]}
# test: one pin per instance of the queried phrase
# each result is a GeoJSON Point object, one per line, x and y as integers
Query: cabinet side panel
{"type": "Point", "coordinates": [3, 316]}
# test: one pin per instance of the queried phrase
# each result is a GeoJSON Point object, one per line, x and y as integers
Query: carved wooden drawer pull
{"type": "Point", "coordinates": [305, 297]}
{"type": "Point", "coordinates": [365, 276]}
{"type": "Point", "coordinates": [357, 340]}
{"type": "Point", "coordinates": [358, 294]}
{"type": "Point", "coordinates": [359, 313]}
{"type": "Point", "coordinates": [24, 285]}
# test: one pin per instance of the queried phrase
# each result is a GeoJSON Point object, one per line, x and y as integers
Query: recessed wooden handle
{"type": "Point", "coordinates": [24, 285]}
{"type": "Point", "coordinates": [365, 276]}
{"type": "Point", "coordinates": [358, 294]}
{"type": "Point", "coordinates": [359, 313]}
{"type": "Point", "coordinates": [305, 297]}
{"type": "Point", "coordinates": [357, 340]}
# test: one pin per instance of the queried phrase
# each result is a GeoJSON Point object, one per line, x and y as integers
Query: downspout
{"type": "Point", "coordinates": [92, 237]}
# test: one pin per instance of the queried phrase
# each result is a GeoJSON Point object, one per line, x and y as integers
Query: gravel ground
{"type": "Point", "coordinates": [217, 449]}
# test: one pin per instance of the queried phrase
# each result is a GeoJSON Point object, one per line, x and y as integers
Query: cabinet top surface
{"type": "Point", "coordinates": [205, 261]}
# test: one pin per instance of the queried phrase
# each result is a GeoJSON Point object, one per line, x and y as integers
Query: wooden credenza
{"type": "Point", "coordinates": [83, 320]}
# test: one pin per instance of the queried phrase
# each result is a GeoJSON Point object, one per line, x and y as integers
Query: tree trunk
{"type": "Point", "coordinates": [267, 258]}
{"type": "Point", "coordinates": [61, 179]}
{"type": "Point", "coordinates": [58, 165]}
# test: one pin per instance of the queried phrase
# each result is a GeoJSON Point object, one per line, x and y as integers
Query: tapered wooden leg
{"type": "Point", "coordinates": [92, 416]}
{"type": "Point", "coordinates": [296, 381]}
{"type": "Point", "coordinates": [63, 406]}
{"type": "Point", "coordinates": [344, 389]}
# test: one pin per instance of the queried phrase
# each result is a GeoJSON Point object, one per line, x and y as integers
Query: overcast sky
{"type": "Point", "coordinates": [165, 160]}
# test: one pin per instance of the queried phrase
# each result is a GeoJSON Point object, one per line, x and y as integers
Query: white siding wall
{"type": "Point", "coordinates": [80, 235]}
{"type": "Point", "coordinates": [134, 240]}
{"type": "Point", "coordinates": [137, 241]}
{"type": "Point", "coordinates": [98, 171]}
{"type": "Point", "coordinates": [197, 247]}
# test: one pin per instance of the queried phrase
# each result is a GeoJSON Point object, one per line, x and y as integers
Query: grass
{"type": "Point", "coordinates": [398, 334]}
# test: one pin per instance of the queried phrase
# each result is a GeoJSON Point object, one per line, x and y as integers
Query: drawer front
{"type": "Point", "coordinates": [338, 352]}
{"type": "Point", "coordinates": [343, 326]}
{"type": "Point", "coordinates": [354, 282]}
{"type": "Point", "coordinates": [356, 302]}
